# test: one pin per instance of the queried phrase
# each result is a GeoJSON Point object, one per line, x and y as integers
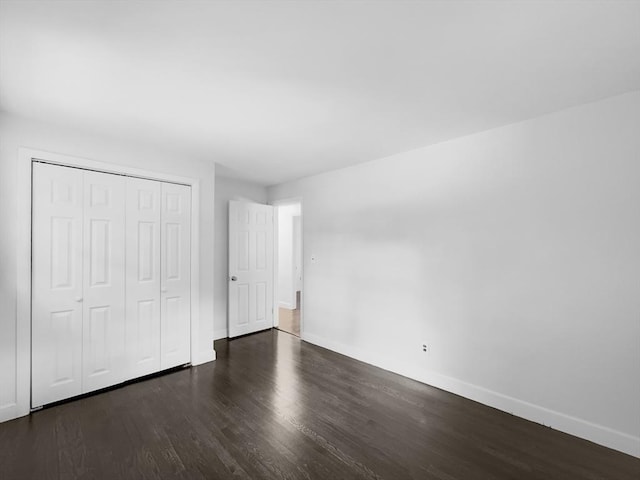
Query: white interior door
{"type": "Point", "coordinates": [104, 361]}
{"type": "Point", "coordinates": [143, 276]}
{"type": "Point", "coordinates": [56, 283]}
{"type": "Point", "coordinates": [250, 267]}
{"type": "Point", "coordinates": [175, 284]}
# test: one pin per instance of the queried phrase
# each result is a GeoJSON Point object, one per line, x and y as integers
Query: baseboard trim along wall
{"type": "Point", "coordinates": [204, 357]}
{"type": "Point", "coordinates": [219, 334]}
{"type": "Point", "coordinates": [558, 421]}
{"type": "Point", "coordinates": [10, 411]}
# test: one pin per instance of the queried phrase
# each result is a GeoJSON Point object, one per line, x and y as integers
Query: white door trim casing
{"type": "Point", "coordinates": [26, 156]}
{"type": "Point", "coordinates": [276, 313]}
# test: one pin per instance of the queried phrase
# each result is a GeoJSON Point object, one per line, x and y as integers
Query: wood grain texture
{"type": "Point", "coordinates": [289, 320]}
{"type": "Point", "coordinates": [274, 407]}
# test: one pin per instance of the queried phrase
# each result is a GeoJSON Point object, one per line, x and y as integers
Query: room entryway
{"type": "Point", "coordinates": [290, 319]}
{"type": "Point", "coordinates": [289, 267]}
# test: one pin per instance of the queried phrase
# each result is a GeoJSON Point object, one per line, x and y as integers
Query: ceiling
{"type": "Point", "coordinates": [274, 91]}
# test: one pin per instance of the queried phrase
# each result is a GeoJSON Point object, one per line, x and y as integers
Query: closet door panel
{"type": "Point", "coordinates": [56, 283]}
{"type": "Point", "coordinates": [143, 276]}
{"type": "Point", "coordinates": [103, 359]}
{"type": "Point", "coordinates": [111, 280]}
{"type": "Point", "coordinates": [175, 275]}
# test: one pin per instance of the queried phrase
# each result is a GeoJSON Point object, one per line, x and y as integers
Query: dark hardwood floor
{"type": "Point", "coordinates": [272, 406]}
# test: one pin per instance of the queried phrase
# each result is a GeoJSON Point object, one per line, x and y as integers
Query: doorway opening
{"type": "Point", "coordinates": [289, 267]}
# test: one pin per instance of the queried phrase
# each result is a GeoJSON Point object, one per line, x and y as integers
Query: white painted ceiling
{"type": "Point", "coordinates": [279, 90]}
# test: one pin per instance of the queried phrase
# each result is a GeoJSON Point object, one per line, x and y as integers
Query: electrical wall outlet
{"type": "Point", "coordinates": [425, 347]}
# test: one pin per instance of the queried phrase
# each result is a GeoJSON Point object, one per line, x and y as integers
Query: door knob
{"type": "Point", "coordinates": [234, 278]}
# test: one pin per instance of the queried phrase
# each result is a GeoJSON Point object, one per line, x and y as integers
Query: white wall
{"type": "Point", "coordinates": [17, 132]}
{"type": "Point", "coordinates": [514, 253]}
{"type": "Point", "coordinates": [286, 255]}
{"type": "Point", "coordinates": [228, 189]}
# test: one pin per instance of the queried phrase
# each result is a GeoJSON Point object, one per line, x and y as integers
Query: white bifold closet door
{"type": "Point", "coordinates": [56, 329]}
{"type": "Point", "coordinates": [143, 276]}
{"type": "Point", "coordinates": [175, 276]}
{"type": "Point", "coordinates": [103, 280]}
{"type": "Point", "coordinates": [110, 280]}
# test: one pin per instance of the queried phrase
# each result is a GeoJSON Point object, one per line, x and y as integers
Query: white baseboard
{"type": "Point", "coordinates": [218, 334]}
{"type": "Point", "coordinates": [204, 357]}
{"type": "Point", "coordinates": [11, 411]}
{"type": "Point", "coordinates": [593, 432]}
{"type": "Point", "coordinates": [7, 412]}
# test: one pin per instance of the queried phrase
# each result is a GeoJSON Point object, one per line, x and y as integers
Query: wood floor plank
{"type": "Point", "coordinates": [275, 407]}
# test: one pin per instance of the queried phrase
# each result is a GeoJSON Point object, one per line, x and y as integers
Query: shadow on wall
{"type": "Point", "coordinates": [481, 282]}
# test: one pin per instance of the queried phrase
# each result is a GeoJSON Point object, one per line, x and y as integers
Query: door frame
{"type": "Point", "coordinates": [276, 299]}
{"type": "Point", "coordinates": [26, 158]}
